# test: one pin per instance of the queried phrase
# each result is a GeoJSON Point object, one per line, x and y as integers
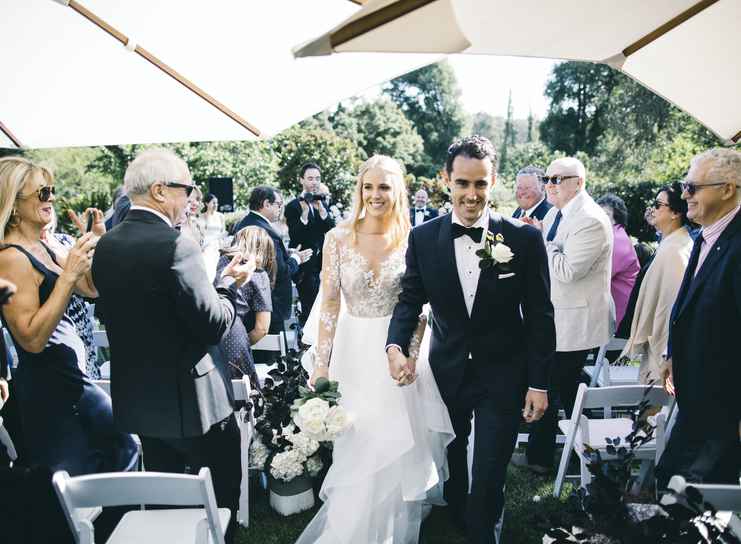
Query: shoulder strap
{"type": "Point", "coordinates": [38, 265]}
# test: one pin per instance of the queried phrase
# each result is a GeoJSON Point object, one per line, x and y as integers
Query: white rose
{"type": "Point", "coordinates": [314, 465]}
{"type": "Point", "coordinates": [314, 428]}
{"type": "Point", "coordinates": [337, 421]}
{"type": "Point", "coordinates": [314, 409]}
{"type": "Point", "coordinates": [501, 253]}
{"type": "Point", "coordinates": [304, 443]}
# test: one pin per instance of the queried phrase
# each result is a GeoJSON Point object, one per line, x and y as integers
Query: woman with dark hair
{"type": "Point", "coordinates": [650, 328]}
{"type": "Point", "coordinates": [625, 265]}
{"type": "Point", "coordinates": [254, 304]}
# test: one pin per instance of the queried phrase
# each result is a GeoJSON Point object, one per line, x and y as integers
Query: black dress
{"type": "Point", "coordinates": [67, 420]}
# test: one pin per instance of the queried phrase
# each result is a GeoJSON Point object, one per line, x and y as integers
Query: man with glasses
{"type": "Point", "coordinates": [164, 319]}
{"type": "Point", "coordinates": [702, 367]}
{"type": "Point", "coordinates": [578, 238]}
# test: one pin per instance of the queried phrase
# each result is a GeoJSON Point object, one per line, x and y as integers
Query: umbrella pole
{"type": "Point", "coordinates": [5, 130]}
{"type": "Point", "coordinates": [127, 42]}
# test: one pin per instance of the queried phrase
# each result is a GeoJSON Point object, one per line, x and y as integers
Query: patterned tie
{"type": "Point", "coordinates": [554, 227]}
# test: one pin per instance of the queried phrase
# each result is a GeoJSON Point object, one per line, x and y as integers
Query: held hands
{"type": "Point", "coordinates": [80, 257]}
{"type": "Point", "coordinates": [401, 369]}
{"type": "Point", "coordinates": [80, 221]}
{"type": "Point", "coordinates": [239, 269]}
{"type": "Point", "coordinates": [536, 403]}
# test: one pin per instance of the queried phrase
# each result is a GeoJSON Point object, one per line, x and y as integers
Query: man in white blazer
{"type": "Point", "coordinates": [578, 237]}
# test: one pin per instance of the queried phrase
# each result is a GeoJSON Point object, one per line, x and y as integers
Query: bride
{"type": "Point", "coordinates": [391, 465]}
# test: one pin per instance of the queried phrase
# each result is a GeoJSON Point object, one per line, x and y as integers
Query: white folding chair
{"type": "Point", "coordinates": [271, 343]}
{"type": "Point", "coordinates": [602, 374]}
{"type": "Point", "coordinates": [203, 525]}
{"type": "Point", "coordinates": [246, 422]}
{"type": "Point", "coordinates": [581, 431]}
{"type": "Point", "coordinates": [726, 499]}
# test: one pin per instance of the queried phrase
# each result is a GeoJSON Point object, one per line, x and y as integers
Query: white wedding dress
{"type": "Point", "coordinates": [391, 465]}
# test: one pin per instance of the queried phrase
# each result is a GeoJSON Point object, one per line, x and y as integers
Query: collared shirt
{"type": "Point", "coordinates": [711, 233]}
{"type": "Point", "coordinates": [466, 259]}
{"type": "Point", "coordinates": [293, 256]}
{"type": "Point", "coordinates": [155, 212]}
{"type": "Point", "coordinates": [529, 211]}
{"type": "Point", "coordinates": [419, 215]}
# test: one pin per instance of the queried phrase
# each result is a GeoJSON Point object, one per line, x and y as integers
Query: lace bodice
{"type": "Point", "coordinates": [366, 292]}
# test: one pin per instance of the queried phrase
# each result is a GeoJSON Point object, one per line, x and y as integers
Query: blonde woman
{"type": "Point", "coordinates": [254, 305]}
{"type": "Point", "coordinates": [67, 420]}
{"type": "Point", "coordinates": [392, 461]}
{"type": "Point", "coordinates": [191, 225]}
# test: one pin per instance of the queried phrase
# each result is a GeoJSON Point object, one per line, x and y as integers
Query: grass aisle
{"type": "Point", "coordinates": [525, 521]}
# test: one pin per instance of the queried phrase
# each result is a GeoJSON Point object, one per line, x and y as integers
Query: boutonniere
{"type": "Point", "coordinates": [427, 212]}
{"type": "Point", "coordinates": [494, 253]}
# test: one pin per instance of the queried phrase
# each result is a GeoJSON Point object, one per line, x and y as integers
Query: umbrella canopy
{"type": "Point", "coordinates": [683, 50]}
{"type": "Point", "coordinates": [229, 71]}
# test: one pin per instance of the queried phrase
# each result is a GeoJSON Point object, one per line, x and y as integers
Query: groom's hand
{"type": "Point", "coordinates": [397, 364]}
{"type": "Point", "coordinates": [536, 403]}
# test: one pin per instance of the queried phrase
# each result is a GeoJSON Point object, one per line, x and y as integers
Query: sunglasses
{"type": "Point", "coordinates": [657, 205]}
{"type": "Point", "coordinates": [555, 180]}
{"type": "Point", "coordinates": [44, 193]}
{"type": "Point", "coordinates": [188, 188]}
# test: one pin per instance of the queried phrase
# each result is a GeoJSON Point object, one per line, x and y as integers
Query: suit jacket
{"type": "Point", "coordinates": [309, 236]}
{"type": "Point", "coordinates": [538, 213]}
{"type": "Point", "coordinates": [430, 213]}
{"type": "Point", "coordinates": [282, 293]}
{"type": "Point", "coordinates": [163, 318]}
{"type": "Point", "coordinates": [705, 324]}
{"type": "Point", "coordinates": [580, 265]}
{"type": "Point", "coordinates": [510, 349]}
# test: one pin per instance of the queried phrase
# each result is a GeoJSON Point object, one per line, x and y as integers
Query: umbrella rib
{"type": "Point", "coordinates": [121, 37]}
{"type": "Point", "coordinates": [667, 27]}
{"type": "Point", "coordinates": [5, 130]}
{"type": "Point", "coordinates": [737, 137]}
{"type": "Point", "coordinates": [375, 20]}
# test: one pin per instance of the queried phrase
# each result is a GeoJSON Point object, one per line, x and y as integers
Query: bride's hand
{"type": "Point", "coordinates": [319, 372]}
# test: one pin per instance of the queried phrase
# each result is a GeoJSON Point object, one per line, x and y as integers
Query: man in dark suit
{"type": "Point", "coordinates": [420, 211]}
{"type": "Point", "coordinates": [164, 317]}
{"type": "Point", "coordinates": [266, 205]}
{"type": "Point", "coordinates": [308, 219]}
{"type": "Point", "coordinates": [530, 194]}
{"type": "Point", "coordinates": [702, 367]}
{"type": "Point", "coordinates": [480, 363]}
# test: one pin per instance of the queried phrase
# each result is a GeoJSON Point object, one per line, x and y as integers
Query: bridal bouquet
{"type": "Point", "coordinates": [317, 412]}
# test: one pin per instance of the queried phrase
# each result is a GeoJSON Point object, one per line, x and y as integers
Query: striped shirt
{"type": "Point", "coordinates": [711, 233]}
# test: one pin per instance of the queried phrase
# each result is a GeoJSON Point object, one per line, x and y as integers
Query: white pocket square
{"type": "Point", "coordinates": [504, 276]}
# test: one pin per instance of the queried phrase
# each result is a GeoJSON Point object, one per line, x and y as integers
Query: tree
{"type": "Point", "coordinates": [488, 126]}
{"type": "Point", "coordinates": [508, 138]}
{"type": "Point", "coordinates": [529, 126]}
{"type": "Point", "coordinates": [430, 99]}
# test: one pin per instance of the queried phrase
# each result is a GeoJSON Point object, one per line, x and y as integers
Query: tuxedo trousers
{"type": "Point", "coordinates": [563, 382]}
{"type": "Point", "coordinates": [495, 432]}
{"type": "Point", "coordinates": [307, 288]}
{"type": "Point", "coordinates": [219, 450]}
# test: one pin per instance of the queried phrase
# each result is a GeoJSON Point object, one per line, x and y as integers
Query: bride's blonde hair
{"type": "Point", "coordinates": [400, 224]}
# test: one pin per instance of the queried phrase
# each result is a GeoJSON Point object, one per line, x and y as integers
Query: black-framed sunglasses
{"type": "Point", "coordinates": [44, 193]}
{"type": "Point", "coordinates": [691, 187]}
{"type": "Point", "coordinates": [555, 180]}
{"type": "Point", "coordinates": [188, 188]}
{"type": "Point", "coordinates": [657, 204]}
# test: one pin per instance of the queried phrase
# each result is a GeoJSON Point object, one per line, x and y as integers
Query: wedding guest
{"type": "Point", "coordinates": [212, 221]}
{"type": "Point", "coordinates": [421, 212]}
{"type": "Point", "coordinates": [191, 225]}
{"type": "Point", "coordinates": [702, 367]}
{"type": "Point", "coordinates": [67, 420]}
{"type": "Point", "coordinates": [650, 329]}
{"type": "Point", "coordinates": [254, 305]}
{"type": "Point", "coordinates": [625, 266]}
{"type": "Point", "coordinates": [578, 237]}
{"type": "Point", "coordinates": [168, 379]}
{"type": "Point", "coordinates": [121, 206]}
{"type": "Point", "coordinates": [530, 194]}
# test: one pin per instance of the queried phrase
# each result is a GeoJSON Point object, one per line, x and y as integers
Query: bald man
{"type": "Point", "coordinates": [703, 367]}
{"type": "Point", "coordinates": [420, 211]}
{"type": "Point", "coordinates": [530, 194]}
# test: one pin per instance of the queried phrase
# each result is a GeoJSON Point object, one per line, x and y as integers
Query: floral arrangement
{"type": "Point", "coordinates": [494, 253]}
{"type": "Point", "coordinates": [318, 413]}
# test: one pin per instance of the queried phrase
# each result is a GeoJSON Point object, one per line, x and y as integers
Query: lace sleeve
{"type": "Point", "coordinates": [330, 303]}
{"type": "Point", "coordinates": [416, 340]}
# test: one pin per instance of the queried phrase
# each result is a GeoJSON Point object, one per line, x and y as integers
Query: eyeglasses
{"type": "Point", "coordinates": [188, 188]}
{"type": "Point", "coordinates": [44, 193]}
{"type": "Point", "coordinates": [555, 180]}
{"type": "Point", "coordinates": [691, 187]}
{"type": "Point", "coordinates": [657, 204]}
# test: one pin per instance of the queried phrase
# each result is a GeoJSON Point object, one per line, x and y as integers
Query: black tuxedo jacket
{"type": "Point", "coordinates": [510, 350]}
{"type": "Point", "coordinates": [309, 236]}
{"type": "Point", "coordinates": [430, 213]}
{"type": "Point", "coordinates": [538, 213]}
{"type": "Point", "coordinates": [282, 293]}
{"type": "Point", "coordinates": [703, 333]}
{"type": "Point", "coordinates": [163, 318]}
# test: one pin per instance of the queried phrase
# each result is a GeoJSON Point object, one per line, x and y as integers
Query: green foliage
{"type": "Point", "coordinates": [488, 126]}
{"type": "Point", "coordinates": [338, 157]}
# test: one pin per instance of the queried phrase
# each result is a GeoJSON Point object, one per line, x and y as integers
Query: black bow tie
{"type": "Point", "coordinates": [474, 233]}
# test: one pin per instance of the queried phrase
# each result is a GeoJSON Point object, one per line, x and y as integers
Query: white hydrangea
{"type": "Point", "coordinates": [287, 465]}
{"type": "Point", "coordinates": [314, 465]}
{"type": "Point", "coordinates": [304, 443]}
{"type": "Point", "coordinates": [258, 454]}
{"type": "Point", "coordinates": [337, 422]}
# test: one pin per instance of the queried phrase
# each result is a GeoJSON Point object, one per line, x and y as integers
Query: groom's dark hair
{"type": "Point", "coordinates": [474, 147]}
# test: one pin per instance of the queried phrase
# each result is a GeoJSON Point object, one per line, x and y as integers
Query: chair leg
{"type": "Point", "coordinates": [562, 466]}
{"type": "Point", "coordinates": [644, 475]}
{"type": "Point", "coordinates": [586, 476]}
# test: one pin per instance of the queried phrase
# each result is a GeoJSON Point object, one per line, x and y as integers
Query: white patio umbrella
{"type": "Point", "coordinates": [68, 80]}
{"type": "Point", "coordinates": [683, 50]}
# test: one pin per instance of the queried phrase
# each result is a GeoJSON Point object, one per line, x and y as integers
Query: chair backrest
{"type": "Point", "coordinates": [621, 395]}
{"type": "Point", "coordinates": [722, 497]}
{"type": "Point", "coordinates": [127, 488]}
{"type": "Point", "coordinates": [601, 363]}
{"type": "Point", "coordinates": [271, 342]}
{"type": "Point", "coordinates": [242, 388]}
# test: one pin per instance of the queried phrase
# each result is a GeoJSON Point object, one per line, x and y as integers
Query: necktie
{"type": "Point", "coordinates": [695, 256]}
{"type": "Point", "coordinates": [474, 233]}
{"type": "Point", "coordinates": [554, 227]}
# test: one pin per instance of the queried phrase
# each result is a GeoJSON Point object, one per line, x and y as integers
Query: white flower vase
{"type": "Point", "coordinates": [288, 498]}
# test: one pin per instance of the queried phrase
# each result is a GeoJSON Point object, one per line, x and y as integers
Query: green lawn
{"type": "Point", "coordinates": [525, 521]}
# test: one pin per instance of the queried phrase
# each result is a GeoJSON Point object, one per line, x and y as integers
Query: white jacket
{"type": "Point", "coordinates": [580, 263]}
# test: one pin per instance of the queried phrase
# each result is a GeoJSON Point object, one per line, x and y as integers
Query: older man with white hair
{"type": "Point", "coordinates": [530, 194]}
{"type": "Point", "coordinates": [163, 316]}
{"type": "Point", "coordinates": [703, 367]}
{"type": "Point", "coordinates": [578, 236]}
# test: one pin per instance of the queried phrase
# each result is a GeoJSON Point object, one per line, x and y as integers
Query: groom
{"type": "Point", "coordinates": [481, 317]}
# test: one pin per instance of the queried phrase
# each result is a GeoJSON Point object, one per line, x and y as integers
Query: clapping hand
{"type": "Point", "coordinates": [303, 254]}
{"type": "Point", "coordinates": [667, 377]}
{"type": "Point", "coordinates": [80, 221]}
{"type": "Point", "coordinates": [240, 269]}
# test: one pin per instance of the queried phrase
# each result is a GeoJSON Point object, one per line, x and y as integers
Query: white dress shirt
{"type": "Point", "coordinates": [529, 211]}
{"type": "Point", "coordinates": [466, 260]}
{"type": "Point", "coordinates": [419, 216]}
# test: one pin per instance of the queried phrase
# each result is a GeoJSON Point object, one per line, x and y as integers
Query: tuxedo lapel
{"type": "Point", "coordinates": [448, 265]}
{"type": "Point", "coordinates": [488, 278]}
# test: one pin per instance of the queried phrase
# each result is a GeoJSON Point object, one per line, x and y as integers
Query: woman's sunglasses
{"type": "Point", "coordinates": [44, 193]}
{"type": "Point", "coordinates": [657, 205]}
